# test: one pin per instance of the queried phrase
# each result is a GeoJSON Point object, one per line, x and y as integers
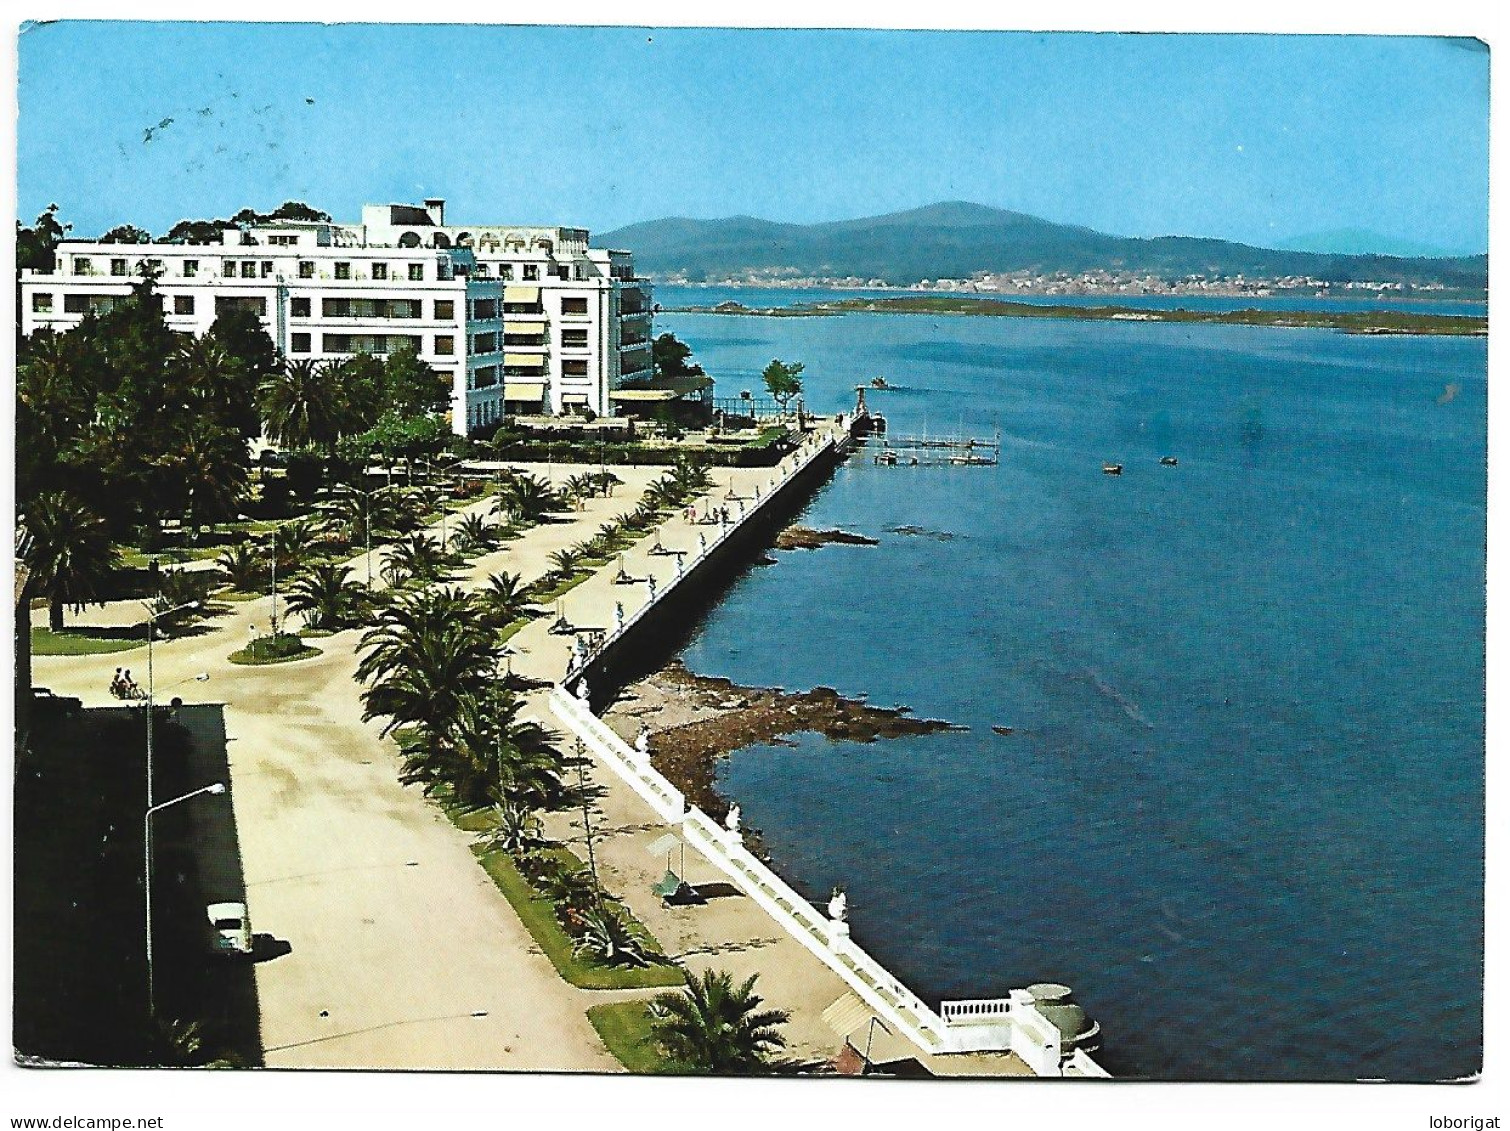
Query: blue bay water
{"type": "Point", "coordinates": [1240, 809]}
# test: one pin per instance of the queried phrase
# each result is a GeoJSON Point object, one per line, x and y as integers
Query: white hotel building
{"type": "Point", "coordinates": [522, 320]}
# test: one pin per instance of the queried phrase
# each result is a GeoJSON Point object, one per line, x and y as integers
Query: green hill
{"type": "Point", "coordinates": [957, 239]}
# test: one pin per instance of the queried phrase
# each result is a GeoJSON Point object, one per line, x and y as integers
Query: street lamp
{"type": "Point", "coordinates": [152, 616]}
{"type": "Point", "coordinates": [217, 787]}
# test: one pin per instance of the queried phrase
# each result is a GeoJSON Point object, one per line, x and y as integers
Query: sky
{"type": "Point", "coordinates": [1260, 139]}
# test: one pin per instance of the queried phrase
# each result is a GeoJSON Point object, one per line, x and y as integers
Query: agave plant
{"type": "Point", "coordinates": [607, 937]}
{"type": "Point", "coordinates": [513, 830]}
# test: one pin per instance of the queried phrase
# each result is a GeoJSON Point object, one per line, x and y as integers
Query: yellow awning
{"type": "Point", "coordinates": [525, 360]}
{"type": "Point", "coordinates": [643, 395]}
{"type": "Point", "coordinates": [524, 392]}
{"type": "Point", "coordinates": [532, 326]}
{"type": "Point", "coordinates": [521, 294]}
{"type": "Point", "coordinates": [574, 398]}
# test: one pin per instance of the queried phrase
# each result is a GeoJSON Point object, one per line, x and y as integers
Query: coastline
{"type": "Point", "coordinates": [1365, 322]}
{"type": "Point", "coordinates": [696, 720]}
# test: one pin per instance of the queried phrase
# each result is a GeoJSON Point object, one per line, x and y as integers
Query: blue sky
{"type": "Point", "coordinates": [1258, 139]}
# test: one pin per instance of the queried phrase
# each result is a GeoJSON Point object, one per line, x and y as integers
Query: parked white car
{"type": "Point", "coordinates": [230, 929]}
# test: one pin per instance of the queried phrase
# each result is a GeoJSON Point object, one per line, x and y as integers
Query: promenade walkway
{"type": "Point", "coordinates": [404, 954]}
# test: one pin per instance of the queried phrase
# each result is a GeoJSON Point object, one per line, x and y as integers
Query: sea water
{"type": "Point", "coordinates": [1238, 803]}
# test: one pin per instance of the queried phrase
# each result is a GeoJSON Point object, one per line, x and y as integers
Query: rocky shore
{"type": "Point", "coordinates": [805, 538]}
{"type": "Point", "coordinates": [695, 719]}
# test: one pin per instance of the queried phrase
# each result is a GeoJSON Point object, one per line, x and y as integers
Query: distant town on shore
{"type": "Point", "coordinates": [971, 248]}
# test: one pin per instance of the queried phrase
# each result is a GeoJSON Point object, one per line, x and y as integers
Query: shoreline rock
{"type": "Point", "coordinates": [805, 538]}
{"type": "Point", "coordinates": [695, 719]}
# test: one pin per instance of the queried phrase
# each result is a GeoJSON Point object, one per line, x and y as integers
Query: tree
{"type": "Point", "coordinates": [243, 358]}
{"type": "Point", "coordinates": [207, 465]}
{"type": "Point", "coordinates": [670, 358]}
{"type": "Point", "coordinates": [503, 599]}
{"type": "Point", "coordinates": [327, 596]}
{"type": "Point", "coordinates": [127, 233]}
{"type": "Point", "coordinates": [35, 245]}
{"type": "Point", "coordinates": [716, 1027]}
{"type": "Point", "coordinates": [525, 498]}
{"type": "Point", "coordinates": [69, 553]}
{"type": "Point", "coordinates": [301, 406]}
{"type": "Point", "coordinates": [783, 380]}
{"type": "Point", "coordinates": [411, 387]}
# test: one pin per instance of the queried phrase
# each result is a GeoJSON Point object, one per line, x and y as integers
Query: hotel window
{"type": "Point", "coordinates": [416, 272]}
{"type": "Point", "coordinates": [117, 266]}
{"type": "Point", "coordinates": [563, 273]}
{"type": "Point", "coordinates": [574, 339]}
{"type": "Point", "coordinates": [485, 308]}
{"type": "Point", "coordinates": [306, 268]}
{"type": "Point", "coordinates": [155, 266]}
{"type": "Point", "coordinates": [76, 304]}
{"type": "Point", "coordinates": [228, 268]}
{"type": "Point", "coordinates": [573, 306]}
{"type": "Point", "coordinates": [298, 307]}
{"type": "Point", "coordinates": [343, 270]}
{"type": "Point", "coordinates": [283, 241]}
{"type": "Point", "coordinates": [485, 343]}
{"type": "Point", "coordinates": [506, 272]}
{"type": "Point", "coordinates": [445, 310]}
{"type": "Point", "coordinates": [41, 302]}
{"type": "Point", "coordinates": [183, 304]}
{"type": "Point", "coordinates": [191, 268]}
{"type": "Point", "coordinates": [574, 367]}
{"type": "Point", "coordinates": [82, 265]}
{"type": "Point", "coordinates": [445, 345]}
{"type": "Point", "coordinates": [267, 268]}
{"type": "Point", "coordinates": [532, 272]}
{"type": "Point", "coordinates": [336, 343]}
{"type": "Point", "coordinates": [299, 343]}
{"type": "Point", "coordinates": [380, 271]}
{"type": "Point", "coordinates": [254, 303]}
{"type": "Point", "coordinates": [485, 378]}
{"type": "Point", "coordinates": [249, 269]}
{"type": "Point", "coordinates": [580, 273]}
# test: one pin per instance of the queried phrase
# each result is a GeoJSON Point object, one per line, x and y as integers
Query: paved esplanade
{"type": "Point", "coordinates": [404, 954]}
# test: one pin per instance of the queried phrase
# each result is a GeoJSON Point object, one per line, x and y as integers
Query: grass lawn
{"type": "Point", "coordinates": [85, 641]}
{"type": "Point", "coordinates": [282, 649]}
{"type": "Point", "coordinates": [625, 1029]}
{"type": "Point", "coordinates": [539, 915]}
{"type": "Point", "coordinates": [559, 589]}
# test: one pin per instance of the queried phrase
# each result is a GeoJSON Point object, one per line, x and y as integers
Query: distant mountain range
{"type": "Point", "coordinates": [955, 240]}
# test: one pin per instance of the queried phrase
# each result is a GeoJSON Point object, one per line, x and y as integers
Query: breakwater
{"type": "Point", "coordinates": [1032, 1023]}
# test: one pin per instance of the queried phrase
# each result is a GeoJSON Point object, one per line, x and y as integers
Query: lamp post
{"type": "Point", "coordinates": [152, 616]}
{"type": "Point", "coordinates": [217, 787]}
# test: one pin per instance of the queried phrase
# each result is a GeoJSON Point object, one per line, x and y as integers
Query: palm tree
{"type": "Point", "coordinates": [500, 758]}
{"type": "Point", "coordinates": [564, 562]}
{"type": "Point", "coordinates": [441, 670]}
{"type": "Point", "coordinates": [503, 600]}
{"type": "Point", "coordinates": [474, 533]}
{"type": "Point", "coordinates": [326, 596]}
{"type": "Point", "coordinates": [526, 498]}
{"type": "Point", "coordinates": [243, 566]}
{"type": "Point", "coordinates": [68, 552]}
{"type": "Point", "coordinates": [302, 406]}
{"type": "Point", "coordinates": [294, 541]}
{"type": "Point", "coordinates": [417, 557]}
{"type": "Point", "coordinates": [360, 513]}
{"type": "Point", "coordinates": [715, 1027]}
{"type": "Point", "coordinates": [415, 615]}
{"type": "Point", "coordinates": [209, 460]}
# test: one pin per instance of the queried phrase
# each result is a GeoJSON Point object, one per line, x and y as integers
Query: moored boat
{"type": "Point", "coordinates": [1111, 469]}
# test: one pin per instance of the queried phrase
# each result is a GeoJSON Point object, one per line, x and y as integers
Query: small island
{"type": "Point", "coordinates": [1348, 321]}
